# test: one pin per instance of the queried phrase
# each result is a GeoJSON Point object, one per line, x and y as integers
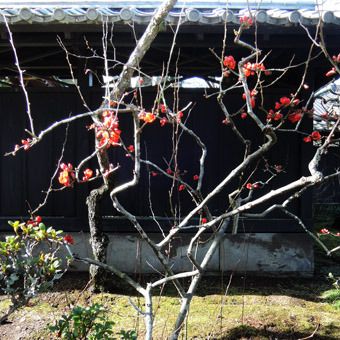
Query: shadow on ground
{"type": "Point", "coordinates": [253, 333]}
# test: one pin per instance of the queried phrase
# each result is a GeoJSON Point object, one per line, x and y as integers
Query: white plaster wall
{"type": "Point", "coordinates": [260, 254]}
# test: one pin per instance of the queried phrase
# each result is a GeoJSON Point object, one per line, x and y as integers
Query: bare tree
{"type": "Point", "coordinates": [250, 186]}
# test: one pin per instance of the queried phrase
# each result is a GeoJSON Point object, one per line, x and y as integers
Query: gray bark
{"type": "Point", "coordinates": [99, 240]}
{"type": "Point", "coordinates": [195, 281]}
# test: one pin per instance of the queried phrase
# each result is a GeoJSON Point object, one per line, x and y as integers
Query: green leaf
{"type": "Point", "coordinates": [42, 226]}
{"type": "Point", "coordinates": [49, 230]}
{"type": "Point", "coordinates": [14, 277]}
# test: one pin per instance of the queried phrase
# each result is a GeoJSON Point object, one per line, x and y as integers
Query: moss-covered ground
{"type": "Point", "coordinates": [251, 308]}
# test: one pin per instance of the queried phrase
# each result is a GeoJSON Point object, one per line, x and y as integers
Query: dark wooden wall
{"type": "Point", "coordinates": [25, 176]}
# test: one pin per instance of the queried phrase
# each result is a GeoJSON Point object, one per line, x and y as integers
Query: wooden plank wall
{"type": "Point", "coordinates": [25, 176]}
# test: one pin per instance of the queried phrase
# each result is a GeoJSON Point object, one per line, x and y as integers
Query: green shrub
{"type": "Point", "coordinates": [25, 272]}
{"type": "Point", "coordinates": [88, 323]}
{"type": "Point", "coordinates": [333, 295]}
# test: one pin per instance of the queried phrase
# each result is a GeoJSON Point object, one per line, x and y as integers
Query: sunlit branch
{"type": "Point", "coordinates": [145, 237]}
{"type": "Point", "coordinates": [49, 190]}
{"type": "Point", "coordinates": [264, 148]}
{"type": "Point", "coordinates": [21, 76]}
{"type": "Point", "coordinates": [114, 270]}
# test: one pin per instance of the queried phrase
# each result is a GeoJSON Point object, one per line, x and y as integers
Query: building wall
{"type": "Point", "coordinates": [273, 254]}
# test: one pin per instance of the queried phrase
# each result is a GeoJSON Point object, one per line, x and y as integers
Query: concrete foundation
{"type": "Point", "coordinates": [278, 254]}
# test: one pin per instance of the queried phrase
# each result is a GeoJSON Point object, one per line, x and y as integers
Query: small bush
{"type": "Point", "coordinates": [25, 272]}
{"type": "Point", "coordinates": [333, 295]}
{"type": "Point", "coordinates": [88, 323]}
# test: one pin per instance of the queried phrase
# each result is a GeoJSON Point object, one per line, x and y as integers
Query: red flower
{"type": "Point", "coordinates": [277, 106]}
{"type": "Point", "coordinates": [196, 177]}
{"type": "Point", "coordinates": [243, 19]}
{"type": "Point", "coordinates": [246, 20]}
{"type": "Point", "coordinates": [64, 178]}
{"type": "Point", "coordinates": [181, 187]}
{"type": "Point", "coordinates": [131, 148]}
{"type": "Point", "coordinates": [246, 72]}
{"type": "Point", "coordinates": [64, 167]}
{"type": "Point", "coordinates": [278, 116]}
{"type": "Point", "coordinates": [154, 174]}
{"type": "Point", "coordinates": [88, 173]}
{"type": "Point", "coordinates": [249, 186]}
{"type": "Point", "coordinates": [243, 115]}
{"type": "Point", "coordinates": [26, 143]}
{"type": "Point", "coordinates": [38, 219]}
{"type": "Point", "coordinates": [108, 132]}
{"type": "Point", "coordinates": [295, 117]}
{"type": "Point", "coordinates": [270, 114]}
{"type": "Point", "coordinates": [254, 92]}
{"type": "Point", "coordinates": [229, 61]}
{"type": "Point", "coordinates": [168, 171]}
{"type": "Point", "coordinates": [307, 139]}
{"type": "Point", "coordinates": [252, 102]}
{"type": "Point", "coordinates": [204, 220]}
{"type": "Point", "coordinates": [148, 117]}
{"type": "Point", "coordinates": [285, 101]}
{"type": "Point", "coordinates": [68, 239]}
{"type": "Point", "coordinates": [163, 121]}
{"type": "Point", "coordinates": [249, 68]}
{"type": "Point", "coordinates": [179, 116]}
{"type": "Point", "coordinates": [331, 72]}
{"type": "Point", "coordinates": [316, 135]}
{"type": "Point", "coordinates": [325, 231]}
{"type": "Point", "coordinates": [162, 108]}
{"type": "Point", "coordinates": [336, 58]}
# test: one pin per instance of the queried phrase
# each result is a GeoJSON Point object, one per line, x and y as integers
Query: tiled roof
{"type": "Point", "coordinates": [326, 99]}
{"type": "Point", "coordinates": [271, 12]}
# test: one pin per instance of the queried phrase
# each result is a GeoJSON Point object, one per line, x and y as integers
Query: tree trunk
{"type": "Point", "coordinates": [148, 313]}
{"type": "Point", "coordinates": [99, 241]}
{"type": "Point", "coordinates": [195, 281]}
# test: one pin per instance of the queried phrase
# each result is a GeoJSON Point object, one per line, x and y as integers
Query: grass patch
{"type": "Point", "coordinates": [255, 308]}
{"type": "Point", "coordinates": [332, 296]}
